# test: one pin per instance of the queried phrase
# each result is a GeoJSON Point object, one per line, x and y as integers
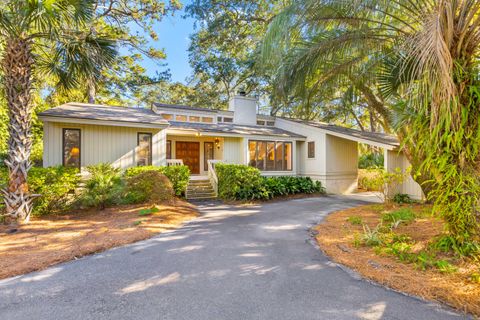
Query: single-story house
{"type": "Point", "coordinates": [78, 135]}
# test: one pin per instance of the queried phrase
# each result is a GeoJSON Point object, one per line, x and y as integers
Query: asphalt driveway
{"type": "Point", "coordinates": [233, 263]}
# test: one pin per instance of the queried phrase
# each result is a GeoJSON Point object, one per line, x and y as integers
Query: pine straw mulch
{"type": "Point", "coordinates": [50, 240]}
{"type": "Point", "coordinates": [336, 237]}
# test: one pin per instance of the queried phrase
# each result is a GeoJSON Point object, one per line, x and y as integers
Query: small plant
{"type": "Point", "coordinates": [445, 266]}
{"type": "Point", "coordinates": [137, 223]}
{"type": "Point", "coordinates": [148, 211]}
{"type": "Point", "coordinates": [372, 237]}
{"type": "Point", "coordinates": [357, 239]}
{"type": "Point", "coordinates": [448, 243]}
{"type": "Point", "coordinates": [103, 187]}
{"type": "Point", "coordinates": [403, 215]}
{"type": "Point", "coordinates": [385, 182]}
{"type": "Point", "coordinates": [475, 277]}
{"type": "Point", "coordinates": [402, 198]}
{"type": "Point", "coordinates": [355, 220]}
{"type": "Point", "coordinates": [425, 260]}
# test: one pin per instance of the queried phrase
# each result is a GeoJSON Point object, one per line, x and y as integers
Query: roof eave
{"type": "Point", "coordinates": [114, 123]}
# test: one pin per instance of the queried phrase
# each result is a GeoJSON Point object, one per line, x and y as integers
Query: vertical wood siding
{"type": "Point", "coordinates": [99, 144]}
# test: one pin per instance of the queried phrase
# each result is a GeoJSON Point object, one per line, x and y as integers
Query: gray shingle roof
{"type": "Point", "coordinates": [105, 113]}
{"type": "Point", "coordinates": [234, 129]}
{"type": "Point", "coordinates": [378, 137]}
{"type": "Point", "coordinates": [182, 107]}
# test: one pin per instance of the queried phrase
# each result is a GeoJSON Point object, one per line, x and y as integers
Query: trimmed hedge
{"type": "Point", "coordinates": [241, 182]}
{"type": "Point", "coordinates": [148, 186]}
{"type": "Point", "coordinates": [178, 175]}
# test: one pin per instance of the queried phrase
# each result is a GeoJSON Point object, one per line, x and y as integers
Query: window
{"type": "Point", "coordinates": [167, 116]}
{"type": "Point", "coordinates": [225, 119]}
{"type": "Point", "coordinates": [181, 117]}
{"type": "Point", "coordinates": [169, 149]}
{"type": "Point", "coordinates": [270, 123]}
{"type": "Point", "coordinates": [144, 149]}
{"type": "Point", "coordinates": [208, 154]}
{"type": "Point", "coordinates": [207, 119]}
{"type": "Point", "coordinates": [194, 119]}
{"type": "Point", "coordinates": [260, 123]}
{"type": "Point", "coordinates": [311, 149]}
{"type": "Point", "coordinates": [270, 155]}
{"type": "Point", "coordinates": [71, 148]}
{"type": "Point", "coordinates": [219, 119]}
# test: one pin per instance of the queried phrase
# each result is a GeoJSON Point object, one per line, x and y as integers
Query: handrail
{"type": "Point", "coordinates": [212, 175]}
{"type": "Point", "coordinates": [174, 162]}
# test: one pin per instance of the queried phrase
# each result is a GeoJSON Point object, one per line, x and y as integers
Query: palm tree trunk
{"type": "Point", "coordinates": [17, 62]}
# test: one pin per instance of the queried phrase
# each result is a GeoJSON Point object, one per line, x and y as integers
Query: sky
{"type": "Point", "coordinates": [173, 33]}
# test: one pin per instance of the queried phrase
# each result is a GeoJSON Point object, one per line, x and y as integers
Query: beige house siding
{"type": "Point", "coordinates": [233, 150]}
{"type": "Point", "coordinates": [341, 165]}
{"type": "Point", "coordinates": [396, 159]}
{"type": "Point", "coordinates": [101, 143]}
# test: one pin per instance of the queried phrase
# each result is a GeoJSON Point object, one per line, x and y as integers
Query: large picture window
{"type": "Point", "coordinates": [144, 149]}
{"type": "Point", "coordinates": [270, 155]}
{"type": "Point", "coordinates": [71, 148]}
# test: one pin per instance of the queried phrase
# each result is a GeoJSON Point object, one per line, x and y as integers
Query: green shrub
{"type": "Point", "coordinates": [371, 160]}
{"type": "Point", "coordinates": [178, 175]}
{"type": "Point", "coordinates": [240, 182]}
{"type": "Point", "coordinates": [401, 198]}
{"type": "Point", "coordinates": [56, 187]}
{"type": "Point", "coordinates": [279, 186]}
{"type": "Point", "coordinates": [383, 181]}
{"type": "Point", "coordinates": [148, 186]}
{"type": "Point", "coordinates": [103, 187]}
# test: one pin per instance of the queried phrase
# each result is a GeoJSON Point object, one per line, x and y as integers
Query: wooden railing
{"type": "Point", "coordinates": [174, 162]}
{"type": "Point", "coordinates": [212, 175]}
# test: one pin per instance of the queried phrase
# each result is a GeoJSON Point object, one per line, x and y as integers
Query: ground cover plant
{"type": "Point", "coordinates": [406, 247]}
{"type": "Point", "coordinates": [241, 182]}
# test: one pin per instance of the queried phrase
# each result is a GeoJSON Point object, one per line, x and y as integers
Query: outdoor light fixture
{"type": "Point", "coordinates": [217, 143]}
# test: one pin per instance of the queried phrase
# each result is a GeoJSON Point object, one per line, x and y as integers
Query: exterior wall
{"type": "Point", "coordinates": [396, 159]}
{"type": "Point", "coordinates": [314, 167]}
{"type": "Point", "coordinates": [218, 149]}
{"type": "Point", "coordinates": [341, 165]}
{"type": "Point", "coordinates": [233, 150]}
{"type": "Point", "coordinates": [100, 144]}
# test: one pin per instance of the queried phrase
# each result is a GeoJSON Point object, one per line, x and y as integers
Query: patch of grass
{"type": "Point", "coordinates": [147, 212]}
{"type": "Point", "coordinates": [475, 277]}
{"type": "Point", "coordinates": [137, 223]}
{"type": "Point", "coordinates": [357, 240]}
{"type": "Point", "coordinates": [445, 266]}
{"type": "Point", "coordinates": [355, 220]}
{"type": "Point", "coordinates": [403, 215]}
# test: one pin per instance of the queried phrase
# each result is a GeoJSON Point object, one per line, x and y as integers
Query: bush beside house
{"type": "Point", "coordinates": [241, 182]}
{"type": "Point", "coordinates": [61, 189]}
{"type": "Point", "coordinates": [178, 175]}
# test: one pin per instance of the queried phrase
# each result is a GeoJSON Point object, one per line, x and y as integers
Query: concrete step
{"type": "Point", "coordinates": [200, 190]}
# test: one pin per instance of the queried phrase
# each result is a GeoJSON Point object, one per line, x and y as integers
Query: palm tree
{"type": "Point", "coordinates": [423, 56]}
{"type": "Point", "coordinates": [41, 38]}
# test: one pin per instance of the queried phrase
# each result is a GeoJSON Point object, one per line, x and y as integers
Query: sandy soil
{"type": "Point", "coordinates": [49, 240]}
{"type": "Point", "coordinates": [336, 236]}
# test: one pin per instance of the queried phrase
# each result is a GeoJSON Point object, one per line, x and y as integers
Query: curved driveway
{"type": "Point", "coordinates": [232, 263]}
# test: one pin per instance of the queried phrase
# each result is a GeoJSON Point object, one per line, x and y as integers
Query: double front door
{"type": "Point", "coordinates": [189, 152]}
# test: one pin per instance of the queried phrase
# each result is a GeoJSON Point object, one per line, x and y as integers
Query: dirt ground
{"type": "Point", "coordinates": [49, 240]}
{"type": "Point", "coordinates": [336, 237]}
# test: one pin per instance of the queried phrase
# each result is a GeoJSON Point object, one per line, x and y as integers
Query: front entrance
{"type": "Point", "coordinates": [189, 152]}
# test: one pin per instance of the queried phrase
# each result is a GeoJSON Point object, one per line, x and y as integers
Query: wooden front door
{"type": "Point", "coordinates": [189, 152]}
